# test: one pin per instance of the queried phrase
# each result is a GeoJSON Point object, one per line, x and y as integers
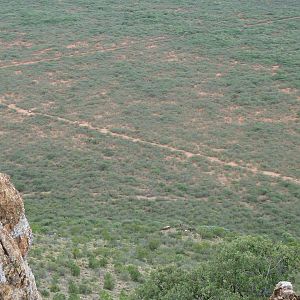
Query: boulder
{"type": "Point", "coordinates": [16, 279]}
{"type": "Point", "coordinates": [284, 291]}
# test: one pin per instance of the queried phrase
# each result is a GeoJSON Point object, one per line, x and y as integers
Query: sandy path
{"type": "Point", "coordinates": [187, 154]}
{"type": "Point", "coordinates": [271, 21]}
{"type": "Point", "coordinates": [80, 54]}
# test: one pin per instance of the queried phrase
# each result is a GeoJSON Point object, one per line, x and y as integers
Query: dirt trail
{"type": "Point", "coordinates": [187, 154]}
{"type": "Point", "coordinates": [79, 54]}
{"type": "Point", "coordinates": [271, 21]}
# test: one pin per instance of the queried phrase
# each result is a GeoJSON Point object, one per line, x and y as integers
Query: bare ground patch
{"type": "Point", "coordinates": [76, 53]}
{"type": "Point", "coordinates": [289, 91]}
{"type": "Point", "coordinates": [239, 116]}
{"type": "Point", "coordinates": [78, 44]}
{"type": "Point", "coordinates": [266, 22]}
{"type": "Point", "coordinates": [42, 51]}
{"type": "Point", "coordinates": [15, 44]}
{"type": "Point", "coordinates": [281, 119]}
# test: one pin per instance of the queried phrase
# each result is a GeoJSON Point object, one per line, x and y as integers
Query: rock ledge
{"type": "Point", "coordinates": [16, 279]}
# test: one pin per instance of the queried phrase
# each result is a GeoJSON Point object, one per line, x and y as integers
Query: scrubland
{"type": "Point", "coordinates": [118, 119]}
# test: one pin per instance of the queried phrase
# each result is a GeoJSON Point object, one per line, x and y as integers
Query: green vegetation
{"type": "Point", "coordinates": [148, 134]}
{"type": "Point", "coordinates": [245, 268]}
{"type": "Point", "coordinates": [104, 295]}
{"type": "Point", "coordinates": [109, 282]}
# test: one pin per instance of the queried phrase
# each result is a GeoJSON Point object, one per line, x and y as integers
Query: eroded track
{"type": "Point", "coordinates": [187, 154]}
{"type": "Point", "coordinates": [60, 56]}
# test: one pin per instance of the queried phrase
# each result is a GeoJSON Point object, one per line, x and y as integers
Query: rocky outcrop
{"type": "Point", "coordinates": [284, 291]}
{"type": "Point", "coordinates": [16, 279]}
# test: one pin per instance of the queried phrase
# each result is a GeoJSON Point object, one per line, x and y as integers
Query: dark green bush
{"type": "Point", "coordinates": [246, 268]}
{"type": "Point", "coordinates": [251, 265]}
{"type": "Point", "coordinates": [77, 253]}
{"type": "Point", "coordinates": [54, 288]}
{"type": "Point", "coordinates": [103, 262]}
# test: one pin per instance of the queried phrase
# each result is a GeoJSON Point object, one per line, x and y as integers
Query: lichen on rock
{"type": "Point", "coordinates": [16, 279]}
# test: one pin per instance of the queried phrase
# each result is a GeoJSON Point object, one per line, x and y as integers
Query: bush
{"type": "Point", "coordinates": [173, 283]}
{"type": "Point", "coordinates": [153, 244]}
{"type": "Point", "coordinates": [104, 295]}
{"type": "Point", "coordinates": [142, 253]}
{"type": "Point", "coordinates": [93, 263]}
{"type": "Point", "coordinates": [246, 268]}
{"type": "Point", "coordinates": [76, 253]}
{"type": "Point", "coordinates": [45, 293]}
{"type": "Point", "coordinates": [123, 295]}
{"type": "Point", "coordinates": [59, 297]}
{"type": "Point", "coordinates": [103, 262]}
{"type": "Point", "coordinates": [109, 282]}
{"type": "Point", "coordinates": [75, 270]}
{"type": "Point", "coordinates": [165, 284]}
{"type": "Point", "coordinates": [54, 288]}
{"type": "Point", "coordinates": [74, 297]}
{"type": "Point", "coordinates": [73, 288]}
{"type": "Point", "coordinates": [251, 265]}
{"type": "Point", "coordinates": [84, 288]}
{"type": "Point", "coordinates": [211, 232]}
{"type": "Point", "coordinates": [134, 273]}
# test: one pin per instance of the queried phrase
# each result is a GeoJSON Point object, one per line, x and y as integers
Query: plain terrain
{"type": "Point", "coordinates": [118, 118]}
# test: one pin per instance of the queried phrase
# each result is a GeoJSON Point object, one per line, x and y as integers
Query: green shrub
{"type": "Point", "coordinates": [251, 265]}
{"type": "Point", "coordinates": [45, 293]}
{"type": "Point", "coordinates": [54, 288]}
{"type": "Point", "coordinates": [75, 270]}
{"type": "Point", "coordinates": [109, 282]}
{"type": "Point", "coordinates": [172, 283]}
{"type": "Point", "coordinates": [104, 295]}
{"type": "Point", "coordinates": [73, 287]}
{"type": "Point", "coordinates": [84, 289]}
{"type": "Point", "coordinates": [59, 297]}
{"type": "Point", "coordinates": [245, 268]}
{"type": "Point", "coordinates": [153, 244]}
{"type": "Point", "coordinates": [142, 253]}
{"type": "Point", "coordinates": [103, 262]}
{"type": "Point", "coordinates": [210, 232]}
{"type": "Point", "coordinates": [93, 263]}
{"type": "Point", "coordinates": [134, 273]}
{"type": "Point", "coordinates": [73, 297]}
{"type": "Point", "coordinates": [76, 253]}
{"type": "Point", "coordinates": [123, 295]}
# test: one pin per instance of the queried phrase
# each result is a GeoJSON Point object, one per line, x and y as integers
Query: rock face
{"type": "Point", "coordinates": [16, 279]}
{"type": "Point", "coordinates": [284, 291]}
